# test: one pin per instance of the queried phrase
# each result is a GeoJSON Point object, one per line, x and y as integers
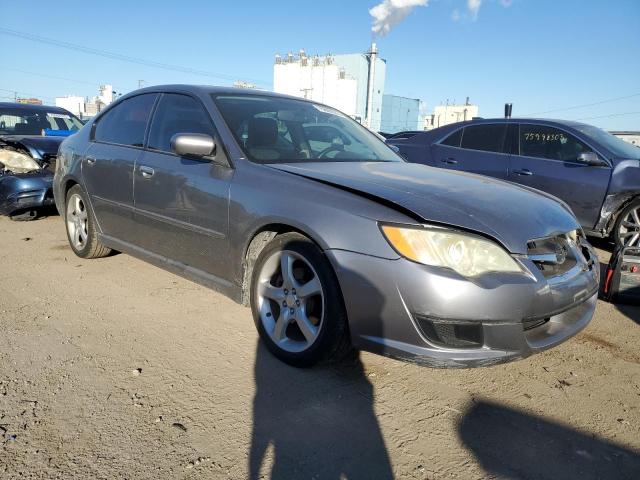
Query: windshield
{"type": "Point", "coordinates": [31, 121]}
{"type": "Point", "coordinates": [615, 145]}
{"type": "Point", "coordinates": [277, 130]}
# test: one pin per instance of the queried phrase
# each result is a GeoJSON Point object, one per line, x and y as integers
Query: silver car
{"type": "Point", "coordinates": [334, 241]}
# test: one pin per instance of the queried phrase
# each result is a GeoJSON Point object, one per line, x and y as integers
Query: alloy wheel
{"type": "Point", "coordinates": [629, 229]}
{"type": "Point", "coordinates": [77, 221]}
{"type": "Point", "coordinates": [291, 301]}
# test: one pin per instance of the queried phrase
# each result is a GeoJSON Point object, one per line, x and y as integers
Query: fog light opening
{"type": "Point", "coordinates": [452, 334]}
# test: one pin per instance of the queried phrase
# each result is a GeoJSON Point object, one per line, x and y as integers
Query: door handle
{"type": "Point", "coordinates": [146, 172]}
{"type": "Point", "coordinates": [523, 172]}
{"type": "Point", "coordinates": [91, 160]}
{"type": "Point", "coordinates": [450, 161]}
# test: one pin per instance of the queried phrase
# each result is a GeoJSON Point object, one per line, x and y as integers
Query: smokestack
{"type": "Point", "coordinates": [373, 54]}
{"type": "Point", "coordinates": [508, 107]}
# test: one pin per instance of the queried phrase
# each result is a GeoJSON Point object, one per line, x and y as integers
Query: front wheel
{"type": "Point", "coordinates": [296, 303]}
{"type": "Point", "coordinates": [81, 226]}
{"type": "Point", "coordinates": [627, 229]}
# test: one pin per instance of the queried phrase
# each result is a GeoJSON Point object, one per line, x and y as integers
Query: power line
{"type": "Point", "coordinates": [55, 77]}
{"type": "Point", "coordinates": [608, 116]}
{"type": "Point", "coordinates": [16, 92]}
{"type": "Point", "coordinates": [118, 56]}
{"type": "Point", "coordinates": [584, 105]}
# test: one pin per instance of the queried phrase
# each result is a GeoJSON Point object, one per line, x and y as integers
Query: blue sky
{"type": "Point", "coordinates": [539, 54]}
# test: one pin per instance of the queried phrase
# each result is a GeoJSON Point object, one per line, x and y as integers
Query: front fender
{"type": "Point", "coordinates": [331, 217]}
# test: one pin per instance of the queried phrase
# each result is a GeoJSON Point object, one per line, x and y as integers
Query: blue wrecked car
{"type": "Point", "coordinates": [29, 139]}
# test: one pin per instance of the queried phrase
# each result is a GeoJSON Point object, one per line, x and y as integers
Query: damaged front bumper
{"type": "Point", "coordinates": [435, 317]}
{"type": "Point", "coordinates": [21, 192]}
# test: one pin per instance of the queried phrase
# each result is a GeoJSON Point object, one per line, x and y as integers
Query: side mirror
{"type": "Point", "coordinates": [590, 158]}
{"type": "Point", "coordinates": [394, 148]}
{"type": "Point", "coordinates": [193, 145]}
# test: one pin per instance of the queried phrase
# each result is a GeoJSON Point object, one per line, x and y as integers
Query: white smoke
{"type": "Point", "coordinates": [390, 13]}
{"type": "Point", "coordinates": [474, 7]}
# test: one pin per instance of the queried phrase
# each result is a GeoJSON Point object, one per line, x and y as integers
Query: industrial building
{"type": "Point", "coordinates": [447, 114]}
{"type": "Point", "coordinates": [352, 83]}
{"type": "Point", "coordinates": [401, 113]}
{"type": "Point", "coordinates": [85, 107]}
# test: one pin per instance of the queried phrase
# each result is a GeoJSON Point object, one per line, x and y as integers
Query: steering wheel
{"type": "Point", "coordinates": [329, 149]}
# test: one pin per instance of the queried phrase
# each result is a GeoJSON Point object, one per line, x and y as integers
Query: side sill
{"type": "Point", "coordinates": [198, 276]}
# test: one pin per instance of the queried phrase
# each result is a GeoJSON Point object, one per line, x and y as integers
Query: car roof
{"type": "Point", "coordinates": [36, 108]}
{"type": "Point", "coordinates": [211, 89]}
{"type": "Point", "coordinates": [475, 121]}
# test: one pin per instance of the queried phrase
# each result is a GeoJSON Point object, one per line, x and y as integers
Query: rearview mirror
{"type": "Point", "coordinates": [192, 144]}
{"type": "Point", "coordinates": [590, 158]}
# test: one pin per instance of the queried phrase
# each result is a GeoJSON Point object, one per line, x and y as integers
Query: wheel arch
{"type": "Point", "coordinates": [613, 221]}
{"type": "Point", "coordinates": [256, 243]}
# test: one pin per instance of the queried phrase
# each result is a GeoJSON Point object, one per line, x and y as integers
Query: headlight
{"type": "Point", "coordinates": [468, 255]}
{"type": "Point", "coordinates": [17, 162]}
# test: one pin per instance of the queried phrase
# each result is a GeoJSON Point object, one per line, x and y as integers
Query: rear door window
{"type": "Point", "coordinates": [487, 138]}
{"type": "Point", "coordinates": [453, 140]}
{"type": "Point", "coordinates": [126, 123]}
{"type": "Point", "coordinates": [175, 114]}
{"type": "Point", "coordinates": [549, 142]}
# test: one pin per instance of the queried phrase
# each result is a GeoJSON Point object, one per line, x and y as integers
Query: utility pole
{"type": "Point", "coordinates": [141, 83]}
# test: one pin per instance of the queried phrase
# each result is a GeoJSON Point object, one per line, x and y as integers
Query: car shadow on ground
{"type": "Point", "coordinates": [318, 423]}
{"type": "Point", "coordinates": [514, 444]}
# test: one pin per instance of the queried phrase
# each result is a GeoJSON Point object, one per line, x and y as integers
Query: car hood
{"type": "Point", "coordinates": [37, 145]}
{"type": "Point", "coordinates": [509, 213]}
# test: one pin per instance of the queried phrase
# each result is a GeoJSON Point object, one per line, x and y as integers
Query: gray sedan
{"type": "Point", "coordinates": [333, 240]}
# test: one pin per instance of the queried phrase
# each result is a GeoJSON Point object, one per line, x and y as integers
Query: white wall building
{"type": "Point", "coordinates": [340, 81]}
{"type": "Point", "coordinates": [74, 104]}
{"type": "Point", "coordinates": [85, 107]}
{"type": "Point", "coordinates": [447, 114]}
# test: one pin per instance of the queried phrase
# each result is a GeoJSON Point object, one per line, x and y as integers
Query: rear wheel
{"type": "Point", "coordinates": [627, 229]}
{"type": "Point", "coordinates": [296, 303]}
{"type": "Point", "coordinates": [81, 226]}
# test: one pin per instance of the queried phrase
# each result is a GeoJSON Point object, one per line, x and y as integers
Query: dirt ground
{"type": "Point", "coordinates": [113, 368]}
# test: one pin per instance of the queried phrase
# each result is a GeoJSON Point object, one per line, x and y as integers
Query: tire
{"type": "Point", "coordinates": [79, 217]}
{"type": "Point", "coordinates": [312, 328]}
{"type": "Point", "coordinates": [627, 226]}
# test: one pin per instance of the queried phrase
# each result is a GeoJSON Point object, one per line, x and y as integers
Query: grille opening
{"type": "Point", "coordinates": [553, 256]}
{"type": "Point", "coordinates": [450, 334]}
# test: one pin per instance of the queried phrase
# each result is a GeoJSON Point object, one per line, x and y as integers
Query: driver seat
{"type": "Point", "coordinates": [262, 138]}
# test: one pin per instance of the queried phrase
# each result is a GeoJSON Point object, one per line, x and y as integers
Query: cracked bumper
{"type": "Point", "coordinates": [393, 304]}
{"type": "Point", "coordinates": [19, 192]}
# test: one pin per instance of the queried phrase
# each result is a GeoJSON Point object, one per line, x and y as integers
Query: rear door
{"type": "Point", "coordinates": [117, 141]}
{"type": "Point", "coordinates": [446, 153]}
{"type": "Point", "coordinates": [182, 203]}
{"type": "Point", "coordinates": [481, 150]}
{"type": "Point", "coordinates": [547, 160]}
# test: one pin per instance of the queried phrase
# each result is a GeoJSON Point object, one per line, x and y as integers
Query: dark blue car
{"type": "Point", "coordinates": [29, 139]}
{"type": "Point", "coordinates": [594, 172]}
